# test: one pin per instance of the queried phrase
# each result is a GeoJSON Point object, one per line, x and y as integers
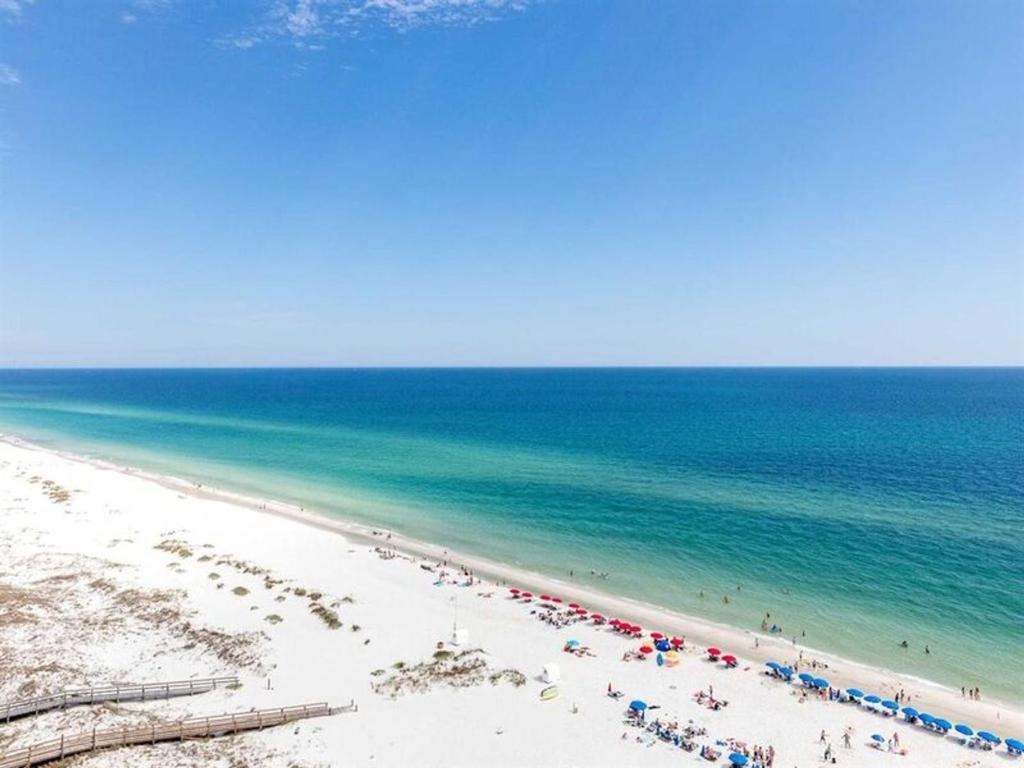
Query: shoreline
{"type": "Point", "coordinates": [998, 715]}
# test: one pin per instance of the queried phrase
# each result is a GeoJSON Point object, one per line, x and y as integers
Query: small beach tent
{"type": "Point", "coordinates": [966, 730]}
{"type": "Point", "coordinates": [460, 636]}
{"type": "Point", "coordinates": [551, 673]}
{"type": "Point", "coordinates": [737, 759]}
{"type": "Point", "coordinates": [991, 738]}
{"type": "Point", "coordinates": [672, 658]}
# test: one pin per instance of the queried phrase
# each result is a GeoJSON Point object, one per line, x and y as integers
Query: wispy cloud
{"type": "Point", "coordinates": [9, 75]}
{"type": "Point", "coordinates": [137, 8]}
{"type": "Point", "coordinates": [13, 8]}
{"type": "Point", "coordinates": [311, 23]}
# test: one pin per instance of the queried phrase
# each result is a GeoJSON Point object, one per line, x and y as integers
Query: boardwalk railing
{"type": "Point", "coordinates": [192, 728]}
{"type": "Point", "coordinates": [116, 693]}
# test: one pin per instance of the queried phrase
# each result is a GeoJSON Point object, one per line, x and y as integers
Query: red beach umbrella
{"type": "Point", "coordinates": [514, 591]}
{"type": "Point", "coordinates": [729, 659]}
{"type": "Point", "coordinates": [574, 605]}
{"type": "Point", "coordinates": [556, 599]}
{"type": "Point", "coordinates": [714, 652]}
{"type": "Point", "coordinates": [657, 635]}
{"type": "Point", "coordinates": [545, 597]}
{"type": "Point", "coordinates": [527, 594]}
{"type": "Point", "coordinates": [615, 622]}
{"type": "Point", "coordinates": [582, 611]}
{"type": "Point", "coordinates": [636, 630]}
{"type": "Point", "coordinates": [646, 649]}
{"type": "Point", "coordinates": [676, 641]}
{"type": "Point", "coordinates": [597, 617]}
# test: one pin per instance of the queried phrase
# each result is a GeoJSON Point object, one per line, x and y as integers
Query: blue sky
{"type": "Point", "coordinates": [417, 182]}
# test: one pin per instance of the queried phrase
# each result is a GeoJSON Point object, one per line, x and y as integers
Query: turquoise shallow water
{"type": "Point", "coordinates": [862, 507]}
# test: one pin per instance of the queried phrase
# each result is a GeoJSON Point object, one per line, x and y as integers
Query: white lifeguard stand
{"type": "Point", "coordinates": [551, 673]}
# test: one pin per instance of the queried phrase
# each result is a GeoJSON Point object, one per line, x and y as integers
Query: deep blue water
{"type": "Point", "coordinates": [863, 506]}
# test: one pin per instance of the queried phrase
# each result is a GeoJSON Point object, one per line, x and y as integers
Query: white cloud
{"type": "Point", "coordinates": [9, 75]}
{"type": "Point", "coordinates": [13, 8]}
{"type": "Point", "coordinates": [307, 23]}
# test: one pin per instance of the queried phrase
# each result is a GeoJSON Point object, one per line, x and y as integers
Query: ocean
{"type": "Point", "coordinates": [861, 507]}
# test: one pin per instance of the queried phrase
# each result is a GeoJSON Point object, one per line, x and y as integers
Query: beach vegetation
{"type": "Point", "coordinates": [329, 617]}
{"type": "Point", "coordinates": [240, 591]}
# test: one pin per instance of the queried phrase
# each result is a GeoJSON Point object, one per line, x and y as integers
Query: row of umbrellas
{"type": "Point", "coordinates": [931, 721]}
{"type": "Point", "coordinates": [715, 653]}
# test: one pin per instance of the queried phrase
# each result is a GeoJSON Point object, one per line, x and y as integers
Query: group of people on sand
{"type": "Point", "coordinates": [974, 694]}
{"type": "Point", "coordinates": [557, 619]}
{"type": "Point", "coordinates": [708, 699]}
{"type": "Point", "coordinates": [668, 731]}
{"type": "Point", "coordinates": [759, 757]}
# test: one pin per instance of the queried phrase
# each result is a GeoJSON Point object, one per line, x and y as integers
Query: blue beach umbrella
{"type": "Point", "coordinates": [910, 712]}
{"type": "Point", "coordinates": [855, 693]}
{"type": "Point", "coordinates": [872, 699]}
{"type": "Point", "coordinates": [662, 645]}
{"type": "Point", "coordinates": [945, 725]}
{"type": "Point", "coordinates": [890, 704]}
{"type": "Point", "coordinates": [820, 682]}
{"type": "Point", "coordinates": [925, 718]}
{"type": "Point", "coordinates": [572, 643]}
{"type": "Point", "coordinates": [991, 738]}
{"type": "Point", "coordinates": [638, 705]}
{"type": "Point", "coordinates": [737, 759]}
{"type": "Point", "coordinates": [806, 677]}
{"type": "Point", "coordinates": [966, 730]}
{"type": "Point", "coordinates": [1014, 744]}
{"type": "Point", "coordinates": [786, 672]}
{"type": "Point", "coordinates": [878, 737]}
{"type": "Point", "coordinates": [774, 665]}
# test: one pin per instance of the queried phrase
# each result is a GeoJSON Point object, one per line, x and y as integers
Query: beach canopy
{"type": "Point", "coordinates": [890, 704]}
{"type": "Point", "coordinates": [943, 724]}
{"type": "Point", "coordinates": [714, 652]}
{"type": "Point", "coordinates": [872, 699]}
{"type": "Point", "coordinates": [820, 682]}
{"type": "Point", "coordinates": [966, 730]}
{"type": "Point", "coordinates": [807, 677]}
{"type": "Point", "coordinates": [991, 738]}
{"type": "Point", "coordinates": [638, 705]}
{"type": "Point", "coordinates": [737, 759]}
{"type": "Point", "coordinates": [878, 737]}
{"type": "Point", "coordinates": [855, 693]}
{"type": "Point", "coordinates": [910, 712]}
{"type": "Point", "coordinates": [1015, 745]}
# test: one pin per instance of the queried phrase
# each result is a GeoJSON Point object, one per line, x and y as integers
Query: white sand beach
{"type": "Point", "coordinates": [110, 575]}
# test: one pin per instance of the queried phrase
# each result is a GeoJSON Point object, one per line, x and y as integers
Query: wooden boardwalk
{"type": "Point", "coordinates": [192, 728]}
{"type": "Point", "coordinates": [116, 693]}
